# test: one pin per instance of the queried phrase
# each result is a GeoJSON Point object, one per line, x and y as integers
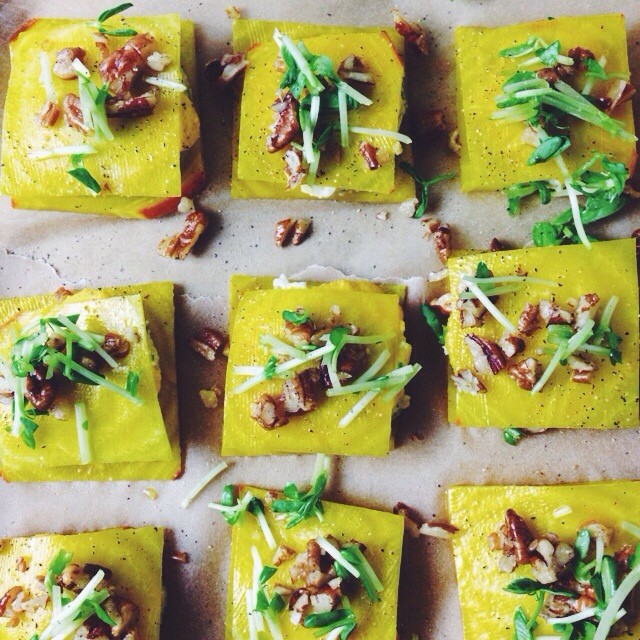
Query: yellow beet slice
{"type": "Point", "coordinates": [487, 610]}
{"type": "Point", "coordinates": [493, 155]}
{"type": "Point", "coordinates": [151, 449]}
{"type": "Point", "coordinates": [256, 308]}
{"type": "Point", "coordinates": [133, 555]}
{"type": "Point", "coordinates": [180, 173]}
{"type": "Point", "coordinates": [258, 174]}
{"type": "Point", "coordinates": [382, 534]}
{"type": "Point", "coordinates": [608, 269]}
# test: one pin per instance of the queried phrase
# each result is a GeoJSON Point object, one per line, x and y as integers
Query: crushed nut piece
{"type": "Point", "coordinates": [179, 245]}
{"type": "Point", "coordinates": [551, 313]}
{"type": "Point", "coordinates": [284, 228]}
{"type": "Point", "coordinates": [21, 564]}
{"type": "Point", "coordinates": [442, 530]}
{"type": "Point", "coordinates": [408, 207]}
{"type": "Point", "coordinates": [442, 242]}
{"type": "Point", "coordinates": [382, 215]}
{"type": "Point", "coordinates": [487, 355]}
{"type": "Point", "coordinates": [511, 345]}
{"type": "Point", "coordinates": [471, 313]}
{"type": "Point", "coordinates": [352, 68]}
{"type": "Point", "coordinates": [223, 71]}
{"type": "Point", "coordinates": [232, 12]}
{"type": "Point", "coordinates": [282, 554]}
{"type": "Point", "coordinates": [438, 276]}
{"type": "Point", "coordinates": [466, 382]}
{"type": "Point", "coordinates": [48, 115]}
{"type": "Point", "coordinates": [582, 369]}
{"type": "Point", "coordinates": [286, 125]}
{"type": "Point", "coordinates": [151, 493]}
{"type": "Point", "coordinates": [443, 303]}
{"type": "Point", "coordinates": [496, 245]}
{"type": "Point", "coordinates": [293, 168]}
{"type": "Point", "coordinates": [116, 345]}
{"type": "Point", "coordinates": [620, 93]}
{"type": "Point", "coordinates": [526, 373]}
{"type": "Point", "coordinates": [300, 392]}
{"type": "Point", "coordinates": [369, 155]}
{"type": "Point", "coordinates": [158, 61]}
{"type": "Point", "coordinates": [209, 398]}
{"type": "Point", "coordinates": [430, 226]}
{"type": "Point", "coordinates": [586, 309]}
{"type": "Point", "coordinates": [180, 556]}
{"type": "Point", "coordinates": [454, 142]}
{"type": "Point", "coordinates": [412, 33]}
{"type": "Point", "coordinates": [185, 206]}
{"type": "Point", "coordinates": [268, 411]}
{"type": "Point", "coordinates": [528, 320]}
{"type": "Point", "coordinates": [411, 519]}
{"type": "Point", "coordinates": [207, 342]}
{"type": "Point", "coordinates": [72, 113]}
{"type": "Point", "coordinates": [62, 67]}
{"type": "Point", "coordinates": [301, 229]}
{"type": "Point", "coordinates": [102, 44]}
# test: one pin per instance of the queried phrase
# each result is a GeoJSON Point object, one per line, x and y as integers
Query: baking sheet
{"type": "Point", "coordinates": [41, 251]}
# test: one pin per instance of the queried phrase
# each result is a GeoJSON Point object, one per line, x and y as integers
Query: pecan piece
{"type": "Point", "coordinates": [471, 313]}
{"type": "Point", "coordinates": [352, 359]}
{"type": "Point", "coordinates": [443, 303]}
{"type": "Point", "coordinates": [516, 531]}
{"type": "Point", "coordinates": [268, 411]}
{"type": "Point", "coordinates": [301, 230]}
{"type": "Point", "coordinates": [497, 245]}
{"type": "Point", "coordinates": [115, 345]}
{"type": "Point", "coordinates": [282, 554]}
{"type": "Point", "coordinates": [123, 68]}
{"type": "Point", "coordinates": [8, 598]}
{"type": "Point", "coordinates": [223, 71]}
{"type": "Point", "coordinates": [369, 155]}
{"type": "Point", "coordinates": [487, 355]}
{"type": "Point", "coordinates": [39, 391]}
{"type": "Point", "coordinates": [286, 125]}
{"type": "Point", "coordinates": [293, 168]}
{"type": "Point", "coordinates": [579, 55]}
{"type": "Point", "coordinates": [442, 242]}
{"type": "Point", "coordinates": [623, 556]}
{"type": "Point", "coordinates": [62, 65]}
{"type": "Point", "coordinates": [132, 106]}
{"type": "Point", "coordinates": [179, 245]}
{"type": "Point", "coordinates": [528, 320]}
{"type": "Point", "coordinates": [352, 68]}
{"type": "Point", "coordinates": [586, 309]}
{"type": "Point", "coordinates": [102, 43]}
{"type": "Point", "coordinates": [414, 34]}
{"type": "Point", "coordinates": [72, 113]}
{"type": "Point", "coordinates": [511, 345]}
{"type": "Point", "coordinates": [582, 369]}
{"type": "Point", "coordinates": [207, 342]}
{"type": "Point", "coordinates": [526, 373]}
{"type": "Point", "coordinates": [466, 382]}
{"type": "Point", "coordinates": [48, 115]}
{"type": "Point", "coordinates": [284, 228]}
{"type": "Point", "coordinates": [551, 313]}
{"type": "Point", "coordinates": [300, 392]}
{"type": "Point", "coordinates": [299, 334]}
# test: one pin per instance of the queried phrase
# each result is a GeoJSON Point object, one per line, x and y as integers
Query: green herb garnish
{"type": "Point", "coordinates": [327, 622]}
{"type": "Point", "coordinates": [56, 566]}
{"type": "Point", "coordinates": [527, 586]}
{"type": "Point", "coordinates": [512, 435]}
{"type": "Point", "coordinates": [549, 148]}
{"type": "Point", "coordinates": [295, 317]}
{"type": "Point", "coordinates": [422, 186]}
{"type": "Point", "coordinates": [109, 13]}
{"type": "Point", "coordinates": [270, 367]}
{"type": "Point", "coordinates": [82, 175]}
{"type": "Point", "coordinates": [439, 329]}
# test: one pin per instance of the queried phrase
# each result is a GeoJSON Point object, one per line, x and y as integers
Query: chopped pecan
{"type": "Point", "coordinates": [180, 556]}
{"type": "Point", "coordinates": [286, 125]}
{"type": "Point", "coordinates": [72, 113]}
{"type": "Point", "coordinates": [223, 71]}
{"type": "Point", "coordinates": [299, 604]}
{"type": "Point", "coordinates": [122, 69]}
{"type": "Point", "coordinates": [352, 68]}
{"type": "Point", "coordinates": [352, 359]}
{"type": "Point", "coordinates": [48, 115]}
{"type": "Point", "coordinates": [158, 61]}
{"type": "Point", "coordinates": [369, 155]}
{"type": "Point", "coordinates": [621, 92]}
{"type": "Point", "coordinates": [300, 334]}
{"type": "Point", "coordinates": [487, 355]}
{"type": "Point", "coordinates": [301, 230]}
{"type": "Point", "coordinates": [412, 33]}
{"type": "Point", "coordinates": [623, 556]}
{"type": "Point", "coordinates": [102, 44]}
{"type": "Point", "coordinates": [284, 228]}
{"type": "Point", "coordinates": [466, 382]}
{"type": "Point", "coordinates": [528, 320]}
{"type": "Point", "coordinates": [179, 245]}
{"type": "Point", "coordinates": [442, 242]}
{"type": "Point", "coordinates": [91, 569]}
{"type": "Point", "coordinates": [115, 345]}
{"type": "Point", "coordinates": [526, 373]}
{"type": "Point", "coordinates": [232, 12]}
{"type": "Point", "coordinates": [39, 391]}
{"type": "Point", "coordinates": [62, 65]}
{"type": "Point", "coordinates": [325, 599]}
{"type": "Point", "coordinates": [582, 369]}
{"type": "Point", "coordinates": [471, 313]}
{"type": "Point", "coordinates": [300, 392]}
{"type": "Point", "coordinates": [312, 566]}
{"type": "Point", "coordinates": [517, 532]}
{"type": "Point", "coordinates": [585, 309]}
{"type": "Point", "coordinates": [123, 612]}
{"type": "Point", "coordinates": [269, 411]}
{"type": "Point", "coordinates": [132, 106]}
{"type": "Point", "coordinates": [443, 303]}
{"type": "Point", "coordinates": [511, 345]}
{"type": "Point", "coordinates": [282, 554]}
{"type": "Point", "coordinates": [579, 55]}
{"type": "Point", "coordinates": [430, 225]}
{"type": "Point", "coordinates": [22, 564]}
{"type": "Point", "coordinates": [548, 74]}
{"type": "Point", "coordinates": [437, 276]}
{"type": "Point", "coordinates": [597, 530]}
{"type": "Point", "coordinates": [207, 342]}
{"type": "Point", "coordinates": [427, 123]}
{"type": "Point", "coordinates": [9, 598]}
{"type": "Point", "coordinates": [293, 168]}
{"type": "Point", "coordinates": [551, 313]}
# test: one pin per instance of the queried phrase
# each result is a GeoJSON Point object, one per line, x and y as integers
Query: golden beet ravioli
{"type": "Point", "coordinates": [342, 173]}
{"type": "Point", "coordinates": [573, 364]}
{"type": "Point", "coordinates": [79, 372]}
{"type": "Point", "coordinates": [314, 367]}
{"type": "Point", "coordinates": [495, 151]}
{"type": "Point", "coordinates": [607, 510]}
{"type": "Point", "coordinates": [151, 161]}
{"type": "Point", "coordinates": [131, 560]}
{"type": "Point", "coordinates": [380, 533]}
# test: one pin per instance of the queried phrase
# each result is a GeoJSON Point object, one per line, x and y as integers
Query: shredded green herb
{"type": "Point", "coordinates": [82, 175]}
{"type": "Point", "coordinates": [270, 367]}
{"type": "Point", "coordinates": [439, 329]}
{"type": "Point", "coordinates": [422, 186]}
{"type": "Point", "coordinates": [512, 436]}
{"type": "Point", "coordinates": [295, 317]}
{"type": "Point", "coordinates": [109, 13]}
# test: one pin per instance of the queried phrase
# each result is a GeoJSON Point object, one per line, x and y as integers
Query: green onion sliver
{"type": "Point", "coordinates": [280, 347]}
{"type": "Point", "coordinates": [575, 211]}
{"type": "Point", "coordinates": [18, 405]}
{"type": "Point", "coordinates": [56, 599]}
{"type": "Point", "coordinates": [599, 553]}
{"type": "Point", "coordinates": [391, 379]}
{"type": "Point", "coordinates": [500, 279]}
{"type": "Point", "coordinates": [274, 627]}
{"type": "Point", "coordinates": [612, 612]}
{"type": "Point", "coordinates": [631, 528]}
{"type": "Point", "coordinates": [202, 483]}
{"type": "Point", "coordinates": [165, 83]}
{"type": "Point", "coordinates": [395, 390]}
{"type": "Point", "coordinates": [89, 340]}
{"type": "Point", "coordinates": [314, 111]}
{"type": "Point", "coordinates": [46, 78]}
{"type": "Point", "coordinates": [324, 544]}
{"type": "Point", "coordinates": [248, 370]}
{"type": "Point", "coordinates": [367, 569]}
{"type": "Point", "coordinates": [266, 529]}
{"type": "Point", "coordinates": [355, 94]}
{"type": "Point", "coordinates": [488, 305]}
{"type": "Point", "coordinates": [588, 85]}
{"type": "Point", "coordinates": [251, 618]}
{"type": "Point", "coordinates": [494, 291]}
{"type": "Point", "coordinates": [59, 152]}
{"type": "Point", "coordinates": [335, 633]}
{"type": "Point", "coordinates": [383, 133]}
{"type": "Point", "coordinates": [283, 40]}
{"type": "Point", "coordinates": [344, 118]}
{"type": "Point", "coordinates": [375, 367]}
{"type": "Point", "coordinates": [604, 324]}
{"type": "Point", "coordinates": [82, 430]}
{"type": "Point", "coordinates": [358, 407]}
{"type": "Point", "coordinates": [576, 617]}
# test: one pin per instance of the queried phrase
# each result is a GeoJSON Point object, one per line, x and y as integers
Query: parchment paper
{"type": "Point", "coordinates": [41, 251]}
